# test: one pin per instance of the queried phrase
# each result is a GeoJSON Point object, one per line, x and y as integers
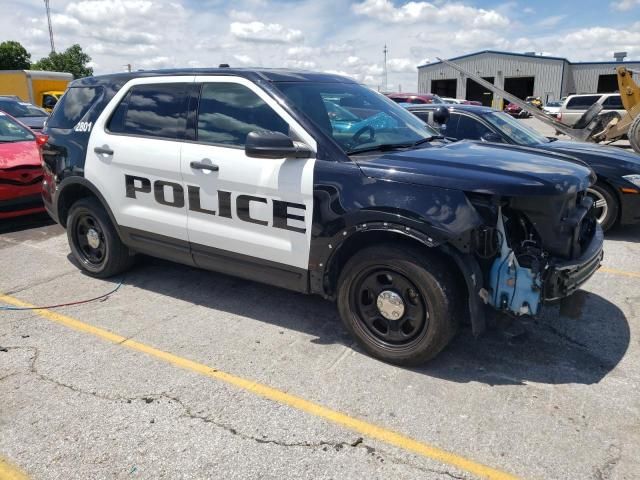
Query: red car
{"type": "Point", "coordinates": [414, 97]}
{"type": "Point", "coordinates": [515, 111]}
{"type": "Point", "coordinates": [20, 168]}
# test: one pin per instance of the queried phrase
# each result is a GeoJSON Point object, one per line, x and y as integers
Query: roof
{"type": "Point", "coordinates": [268, 74]}
{"type": "Point", "coordinates": [546, 57]}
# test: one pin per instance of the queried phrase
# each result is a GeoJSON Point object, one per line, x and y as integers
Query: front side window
{"type": "Point", "coordinates": [582, 103]}
{"type": "Point", "coordinates": [470, 128]}
{"type": "Point", "coordinates": [12, 131]}
{"type": "Point", "coordinates": [228, 112]}
{"type": "Point", "coordinates": [515, 130]}
{"type": "Point", "coordinates": [373, 120]}
{"type": "Point", "coordinates": [157, 110]}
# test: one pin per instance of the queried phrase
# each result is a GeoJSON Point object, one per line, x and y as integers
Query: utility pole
{"type": "Point", "coordinates": [128, 65]}
{"type": "Point", "coordinates": [53, 47]}
{"type": "Point", "coordinates": [384, 70]}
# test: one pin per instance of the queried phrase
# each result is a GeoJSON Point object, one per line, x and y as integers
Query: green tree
{"type": "Point", "coordinates": [73, 60]}
{"type": "Point", "coordinates": [13, 56]}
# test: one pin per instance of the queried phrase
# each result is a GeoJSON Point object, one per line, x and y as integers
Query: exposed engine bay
{"type": "Point", "coordinates": [527, 257]}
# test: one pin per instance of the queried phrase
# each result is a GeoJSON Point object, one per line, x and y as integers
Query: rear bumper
{"type": "Point", "coordinates": [567, 277]}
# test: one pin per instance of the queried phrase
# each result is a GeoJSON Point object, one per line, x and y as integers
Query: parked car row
{"type": "Point", "coordinates": [617, 191]}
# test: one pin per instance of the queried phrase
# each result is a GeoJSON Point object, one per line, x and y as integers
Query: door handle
{"type": "Point", "coordinates": [204, 166]}
{"type": "Point", "coordinates": [104, 150]}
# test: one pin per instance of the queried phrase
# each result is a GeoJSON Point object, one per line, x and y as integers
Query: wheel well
{"type": "Point", "coordinates": [68, 197]}
{"type": "Point", "coordinates": [362, 240]}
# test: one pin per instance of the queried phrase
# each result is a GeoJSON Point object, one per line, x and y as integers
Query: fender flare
{"type": "Point", "coordinates": [467, 264]}
{"type": "Point", "coordinates": [76, 180]}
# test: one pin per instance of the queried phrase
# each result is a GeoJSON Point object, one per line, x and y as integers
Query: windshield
{"type": "Point", "coordinates": [356, 117]}
{"type": "Point", "coordinates": [11, 131]}
{"type": "Point", "coordinates": [515, 130]}
{"type": "Point", "coordinates": [21, 109]}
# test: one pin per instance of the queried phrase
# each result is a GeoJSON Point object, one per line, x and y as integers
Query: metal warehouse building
{"type": "Point", "coordinates": [522, 75]}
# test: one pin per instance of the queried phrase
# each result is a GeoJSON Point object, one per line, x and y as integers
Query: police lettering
{"type": "Point", "coordinates": [281, 209]}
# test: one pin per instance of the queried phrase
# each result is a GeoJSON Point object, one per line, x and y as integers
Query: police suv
{"type": "Point", "coordinates": [315, 183]}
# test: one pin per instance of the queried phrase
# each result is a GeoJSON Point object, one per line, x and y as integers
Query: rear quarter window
{"type": "Point", "coordinates": [582, 103]}
{"type": "Point", "coordinates": [73, 106]}
{"type": "Point", "coordinates": [614, 102]}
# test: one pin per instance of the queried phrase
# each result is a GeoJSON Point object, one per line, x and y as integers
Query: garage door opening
{"type": "Point", "coordinates": [445, 87]}
{"type": "Point", "coordinates": [521, 87]}
{"type": "Point", "coordinates": [607, 83]}
{"type": "Point", "coordinates": [477, 92]}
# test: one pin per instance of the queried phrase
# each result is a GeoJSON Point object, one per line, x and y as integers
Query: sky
{"type": "Point", "coordinates": [338, 36]}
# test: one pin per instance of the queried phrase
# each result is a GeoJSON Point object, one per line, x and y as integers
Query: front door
{"type": "Point", "coordinates": [247, 216]}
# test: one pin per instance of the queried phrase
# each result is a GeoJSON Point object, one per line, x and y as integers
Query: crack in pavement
{"type": "Point", "coordinates": [337, 446]}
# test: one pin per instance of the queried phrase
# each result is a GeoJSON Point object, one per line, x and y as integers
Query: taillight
{"type": "Point", "coordinates": [41, 139]}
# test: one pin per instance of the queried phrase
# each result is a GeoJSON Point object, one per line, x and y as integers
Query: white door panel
{"type": "Point", "coordinates": [272, 180]}
{"type": "Point", "coordinates": [150, 158]}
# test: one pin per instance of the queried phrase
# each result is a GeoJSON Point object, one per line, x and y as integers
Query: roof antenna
{"type": "Point", "coordinates": [223, 65]}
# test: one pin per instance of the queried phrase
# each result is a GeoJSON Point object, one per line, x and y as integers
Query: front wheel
{"type": "Point", "coordinates": [606, 205]}
{"type": "Point", "coordinates": [94, 241]}
{"type": "Point", "coordinates": [399, 304]}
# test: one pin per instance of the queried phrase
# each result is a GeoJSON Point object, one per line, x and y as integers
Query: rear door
{"type": "Point", "coordinates": [247, 216]}
{"type": "Point", "coordinates": [133, 157]}
{"type": "Point", "coordinates": [575, 107]}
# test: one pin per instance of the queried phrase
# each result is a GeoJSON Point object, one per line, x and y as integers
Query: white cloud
{"type": "Point", "coordinates": [401, 65]}
{"type": "Point", "coordinates": [264, 32]}
{"type": "Point", "coordinates": [244, 59]}
{"type": "Point", "coordinates": [624, 5]}
{"type": "Point", "coordinates": [411, 12]}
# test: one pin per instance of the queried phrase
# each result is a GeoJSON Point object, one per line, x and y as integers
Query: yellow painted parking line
{"type": "Point", "coordinates": [10, 472]}
{"type": "Point", "coordinates": [367, 429]}
{"type": "Point", "coordinates": [615, 271]}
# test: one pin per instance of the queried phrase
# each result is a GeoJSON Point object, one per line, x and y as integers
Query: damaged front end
{"type": "Point", "coordinates": [534, 250]}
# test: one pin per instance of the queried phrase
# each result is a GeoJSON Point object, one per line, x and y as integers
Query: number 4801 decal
{"type": "Point", "coordinates": [83, 127]}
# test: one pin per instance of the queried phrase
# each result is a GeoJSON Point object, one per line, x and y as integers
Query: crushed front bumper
{"type": "Point", "coordinates": [566, 277]}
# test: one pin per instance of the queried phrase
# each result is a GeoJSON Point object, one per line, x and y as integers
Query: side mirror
{"type": "Point", "coordinates": [266, 144]}
{"type": "Point", "coordinates": [441, 115]}
{"type": "Point", "coordinates": [491, 137]}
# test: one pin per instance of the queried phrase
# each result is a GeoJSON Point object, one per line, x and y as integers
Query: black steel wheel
{"type": "Point", "coordinates": [94, 242]}
{"type": "Point", "coordinates": [401, 304]}
{"type": "Point", "coordinates": [390, 307]}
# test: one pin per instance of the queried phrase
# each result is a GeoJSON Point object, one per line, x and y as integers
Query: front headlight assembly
{"type": "Point", "coordinates": [634, 178]}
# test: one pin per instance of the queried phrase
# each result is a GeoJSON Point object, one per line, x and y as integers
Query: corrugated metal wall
{"type": "Point", "coordinates": [585, 76]}
{"type": "Point", "coordinates": [554, 78]}
{"type": "Point", "coordinates": [547, 72]}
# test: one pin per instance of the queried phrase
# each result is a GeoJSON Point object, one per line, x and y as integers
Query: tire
{"type": "Point", "coordinates": [634, 134]}
{"type": "Point", "coordinates": [422, 284]}
{"type": "Point", "coordinates": [607, 212]}
{"type": "Point", "coordinates": [94, 242]}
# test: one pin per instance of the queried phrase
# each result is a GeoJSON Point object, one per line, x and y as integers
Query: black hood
{"type": "Point", "coordinates": [482, 168]}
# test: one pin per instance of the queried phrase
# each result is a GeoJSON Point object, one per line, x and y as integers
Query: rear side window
{"type": "Point", "coordinates": [470, 129]}
{"type": "Point", "coordinates": [614, 102]}
{"type": "Point", "coordinates": [229, 111]}
{"type": "Point", "coordinates": [73, 106]}
{"type": "Point", "coordinates": [152, 111]}
{"type": "Point", "coordinates": [582, 103]}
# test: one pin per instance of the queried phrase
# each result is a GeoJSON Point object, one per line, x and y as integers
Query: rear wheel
{"type": "Point", "coordinates": [399, 304]}
{"type": "Point", "coordinates": [94, 241]}
{"type": "Point", "coordinates": [606, 205]}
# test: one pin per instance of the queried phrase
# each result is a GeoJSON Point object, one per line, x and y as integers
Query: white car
{"type": "Point", "coordinates": [552, 108]}
{"type": "Point", "coordinates": [575, 105]}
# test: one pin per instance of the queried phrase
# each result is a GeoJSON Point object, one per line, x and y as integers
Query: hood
{"type": "Point", "coordinates": [19, 154]}
{"type": "Point", "coordinates": [596, 155]}
{"type": "Point", "coordinates": [482, 168]}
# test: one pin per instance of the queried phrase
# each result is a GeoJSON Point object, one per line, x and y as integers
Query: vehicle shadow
{"type": "Point", "coordinates": [626, 233]}
{"type": "Point", "coordinates": [555, 349]}
{"type": "Point", "coordinates": [27, 222]}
